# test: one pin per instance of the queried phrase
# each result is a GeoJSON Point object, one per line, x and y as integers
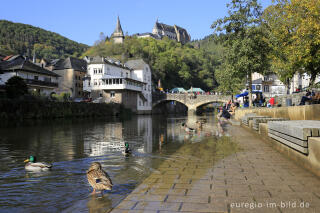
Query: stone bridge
{"type": "Point", "coordinates": [189, 100]}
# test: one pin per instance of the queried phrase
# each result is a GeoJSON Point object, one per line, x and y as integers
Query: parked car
{"type": "Point", "coordinates": [87, 100]}
{"type": "Point", "coordinates": [78, 100]}
{"type": "Point", "coordinates": [98, 100]}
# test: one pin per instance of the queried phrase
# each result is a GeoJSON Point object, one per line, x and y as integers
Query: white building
{"type": "Point", "coordinates": [110, 81]}
{"type": "Point", "coordinates": [142, 72]}
{"type": "Point", "coordinates": [301, 81]}
{"type": "Point", "coordinates": [39, 80]}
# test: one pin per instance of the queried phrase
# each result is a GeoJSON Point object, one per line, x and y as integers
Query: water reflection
{"type": "Point", "coordinates": [71, 147]}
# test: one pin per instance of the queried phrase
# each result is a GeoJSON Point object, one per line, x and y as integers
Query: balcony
{"type": "Point", "coordinates": [34, 82]}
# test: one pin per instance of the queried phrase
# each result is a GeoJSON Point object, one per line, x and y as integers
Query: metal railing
{"type": "Point", "coordinates": [40, 83]}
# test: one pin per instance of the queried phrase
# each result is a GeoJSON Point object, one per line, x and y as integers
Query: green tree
{"type": "Point", "coordinates": [16, 87]}
{"type": "Point", "coordinates": [245, 43]}
{"type": "Point", "coordinates": [294, 37]}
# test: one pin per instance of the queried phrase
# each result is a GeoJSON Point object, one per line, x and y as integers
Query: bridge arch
{"type": "Point", "coordinates": [192, 102]}
{"type": "Point", "coordinates": [165, 101]}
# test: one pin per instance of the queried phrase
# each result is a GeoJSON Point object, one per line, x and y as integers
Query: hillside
{"type": "Point", "coordinates": [174, 64]}
{"type": "Point", "coordinates": [209, 45]}
{"type": "Point", "coordinates": [16, 38]}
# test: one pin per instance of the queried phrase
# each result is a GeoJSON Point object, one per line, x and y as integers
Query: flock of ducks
{"type": "Point", "coordinates": [188, 129]}
{"type": "Point", "coordinates": [97, 177]}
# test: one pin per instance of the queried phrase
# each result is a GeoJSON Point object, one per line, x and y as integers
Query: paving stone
{"type": "Point", "coordinates": [132, 211]}
{"type": "Point", "coordinates": [199, 207]}
{"type": "Point", "coordinates": [188, 199]}
{"type": "Point", "coordinates": [157, 206]}
{"type": "Point", "coordinates": [135, 197]}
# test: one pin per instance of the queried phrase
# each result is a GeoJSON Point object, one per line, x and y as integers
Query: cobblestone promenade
{"type": "Point", "coordinates": [255, 178]}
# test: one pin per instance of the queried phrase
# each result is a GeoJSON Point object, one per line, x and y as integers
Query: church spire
{"type": "Point", "coordinates": [118, 28]}
{"type": "Point", "coordinates": [118, 35]}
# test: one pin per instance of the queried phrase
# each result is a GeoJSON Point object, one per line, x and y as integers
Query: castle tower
{"type": "Point", "coordinates": [118, 36]}
{"type": "Point", "coordinates": [156, 30]}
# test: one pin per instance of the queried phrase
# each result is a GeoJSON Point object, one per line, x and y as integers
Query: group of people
{"type": "Point", "coordinates": [227, 110]}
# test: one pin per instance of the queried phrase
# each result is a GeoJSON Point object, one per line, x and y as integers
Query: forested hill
{"type": "Point", "coordinates": [17, 38]}
{"type": "Point", "coordinates": [209, 44]}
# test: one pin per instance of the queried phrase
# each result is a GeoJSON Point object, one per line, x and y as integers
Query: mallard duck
{"type": "Point", "coordinates": [98, 179]}
{"type": "Point", "coordinates": [33, 165]}
{"type": "Point", "coordinates": [127, 151]}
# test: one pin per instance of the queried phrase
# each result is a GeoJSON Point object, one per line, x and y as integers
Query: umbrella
{"type": "Point", "coordinates": [242, 95]}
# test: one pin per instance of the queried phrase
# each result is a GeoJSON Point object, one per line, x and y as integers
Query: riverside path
{"type": "Point", "coordinates": [255, 178]}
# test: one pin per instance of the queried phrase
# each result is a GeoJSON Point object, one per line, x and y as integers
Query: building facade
{"type": "Point", "coordinates": [172, 32]}
{"type": "Point", "coordinates": [72, 71]}
{"type": "Point", "coordinates": [161, 30]}
{"type": "Point", "coordinates": [39, 80]}
{"type": "Point", "coordinates": [110, 81]}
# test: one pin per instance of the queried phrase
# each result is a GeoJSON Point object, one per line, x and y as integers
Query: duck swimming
{"type": "Point", "coordinates": [127, 150]}
{"type": "Point", "coordinates": [33, 165]}
{"type": "Point", "coordinates": [98, 178]}
{"type": "Point", "coordinates": [188, 129]}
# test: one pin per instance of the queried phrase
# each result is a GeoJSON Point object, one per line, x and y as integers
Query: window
{"type": "Point", "coordinates": [253, 87]}
{"type": "Point", "coordinates": [36, 77]}
{"type": "Point", "coordinates": [100, 71]}
{"type": "Point", "coordinates": [94, 71]}
{"type": "Point", "coordinates": [258, 87]}
{"type": "Point", "coordinates": [95, 82]}
{"type": "Point", "coordinates": [266, 88]}
{"type": "Point", "coordinates": [112, 94]}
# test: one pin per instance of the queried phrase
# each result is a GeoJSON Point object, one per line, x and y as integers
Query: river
{"type": "Point", "coordinates": [71, 146]}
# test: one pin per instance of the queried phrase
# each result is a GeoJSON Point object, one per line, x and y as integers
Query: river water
{"type": "Point", "coordinates": [71, 146]}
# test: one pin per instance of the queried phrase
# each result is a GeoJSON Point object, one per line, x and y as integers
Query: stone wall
{"type": "Point", "coordinates": [305, 112]}
{"type": "Point", "coordinates": [295, 98]}
{"type": "Point", "coordinates": [41, 109]}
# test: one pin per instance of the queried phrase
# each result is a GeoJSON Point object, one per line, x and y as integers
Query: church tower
{"type": "Point", "coordinates": [118, 36]}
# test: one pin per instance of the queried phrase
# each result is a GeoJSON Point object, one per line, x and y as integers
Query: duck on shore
{"type": "Point", "coordinates": [98, 178]}
{"type": "Point", "coordinates": [33, 165]}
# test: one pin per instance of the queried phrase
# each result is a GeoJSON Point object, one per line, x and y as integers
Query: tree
{"type": "Point", "coordinates": [245, 42]}
{"type": "Point", "coordinates": [16, 87]}
{"type": "Point", "coordinates": [294, 37]}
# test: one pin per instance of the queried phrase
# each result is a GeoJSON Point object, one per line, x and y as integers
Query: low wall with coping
{"type": "Point", "coordinates": [305, 112]}
{"type": "Point", "coordinates": [310, 161]}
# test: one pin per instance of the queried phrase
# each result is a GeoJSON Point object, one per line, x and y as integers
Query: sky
{"type": "Point", "coordinates": [82, 21]}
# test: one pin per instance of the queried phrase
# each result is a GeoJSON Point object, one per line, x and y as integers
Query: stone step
{"type": "Point", "coordinates": [301, 129]}
{"type": "Point", "coordinates": [258, 120]}
{"type": "Point", "coordinates": [301, 149]}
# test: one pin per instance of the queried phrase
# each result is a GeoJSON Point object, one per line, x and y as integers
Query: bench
{"type": "Point", "coordinates": [294, 134]}
{"type": "Point", "coordinates": [256, 121]}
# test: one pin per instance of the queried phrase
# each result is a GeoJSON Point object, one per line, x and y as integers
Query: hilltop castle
{"type": "Point", "coordinates": [159, 31]}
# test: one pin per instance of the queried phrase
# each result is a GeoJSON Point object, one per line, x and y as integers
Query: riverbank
{"type": "Point", "coordinates": [35, 109]}
{"type": "Point", "coordinates": [256, 178]}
